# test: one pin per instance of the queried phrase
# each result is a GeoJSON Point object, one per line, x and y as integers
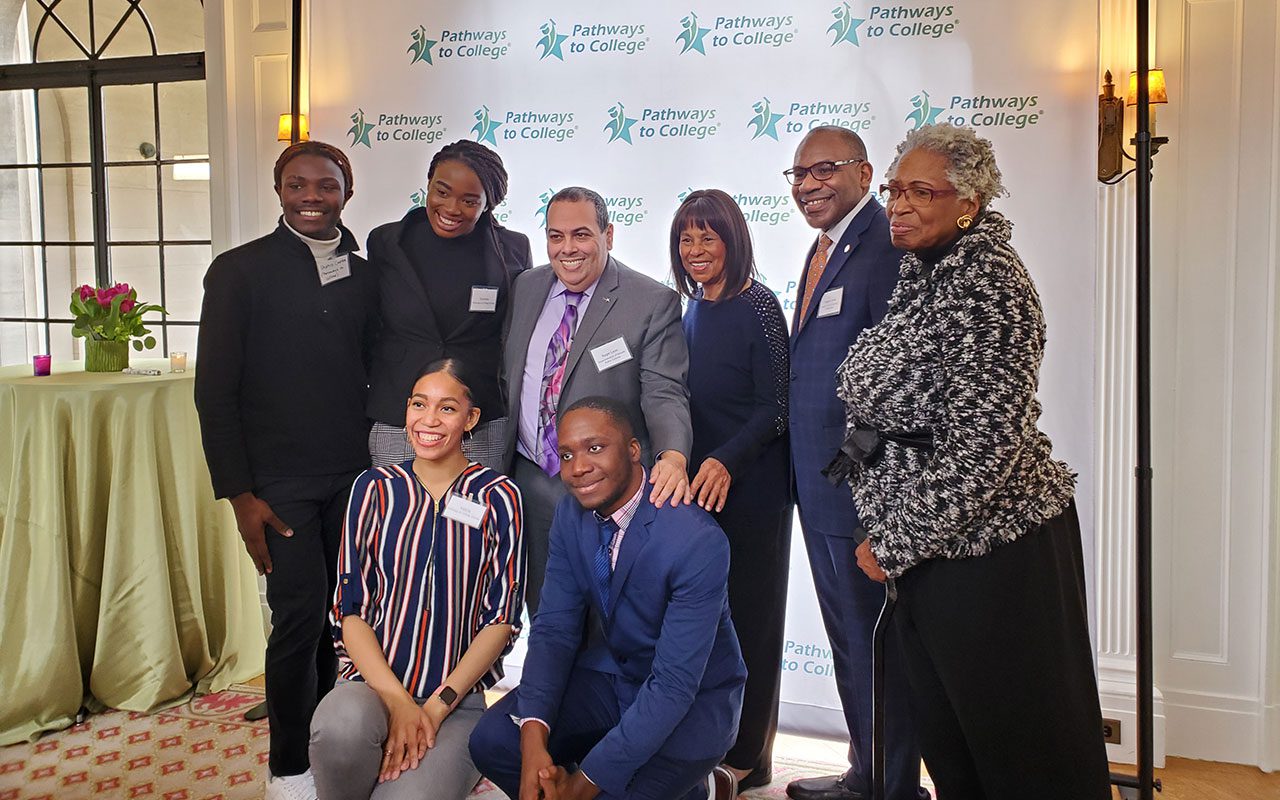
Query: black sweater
{"type": "Point", "coordinates": [281, 380]}
{"type": "Point", "coordinates": [411, 336]}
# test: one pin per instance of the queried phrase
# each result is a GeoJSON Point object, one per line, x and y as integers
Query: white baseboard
{"type": "Point", "coordinates": [1215, 727]}
{"type": "Point", "coordinates": [1270, 747]}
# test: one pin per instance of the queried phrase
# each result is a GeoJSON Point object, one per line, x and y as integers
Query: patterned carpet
{"type": "Point", "coordinates": [203, 750]}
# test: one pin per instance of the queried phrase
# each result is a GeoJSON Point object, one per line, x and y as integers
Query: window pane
{"type": "Point", "coordinates": [19, 211]}
{"type": "Point", "coordinates": [184, 269]}
{"type": "Point", "coordinates": [64, 126]}
{"type": "Point", "coordinates": [179, 25]}
{"type": "Point", "coordinates": [19, 281]}
{"type": "Point", "coordinates": [17, 127]}
{"type": "Point", "coordinates": [129, 120]}
{"type": "Point", "coordinates": [55, 42]}
{"type": "Point", "coordinates": [186, 205]}
{"type": "Point", "coordinates": [184, 126]}
{"type": "Point", "coordinates": [68, 268]}
{"type": "Point", "coordinates": [131, 204]}
{"type": "Point", "coordinates": [18, 342]}
{"type": "Point", "coordinates": [62, 345]}
{"type": "Point", "coordinates": [68, 204]}
{"type": "Point", "coordinates": [182, 337]}
{"type": "Point", "coordinates": [132, 39]}
{"type": "Point", "coordinates": [140, 268]}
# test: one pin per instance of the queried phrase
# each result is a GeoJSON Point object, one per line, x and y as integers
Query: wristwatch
{"type": "Point", "coordinates": [447, 695]}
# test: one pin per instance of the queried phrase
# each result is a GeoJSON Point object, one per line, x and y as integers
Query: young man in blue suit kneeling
{"type": "Point", "coordinates": [633, 680]}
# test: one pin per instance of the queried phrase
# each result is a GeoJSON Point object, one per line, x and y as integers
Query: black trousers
{"type": "Point", "coordinates": [997, 652]}
{"type": "Point", "coordinates": [759, 550]}
{"type": "Point", "coordinates": [301, 663]}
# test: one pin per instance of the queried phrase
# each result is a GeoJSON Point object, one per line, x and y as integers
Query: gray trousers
{"type": "Point", "coordinates": [347, 734]}
{"type": "Point", "coordinates": [389, 444]}
{"type": "Point", "coordinates": [540, 493]}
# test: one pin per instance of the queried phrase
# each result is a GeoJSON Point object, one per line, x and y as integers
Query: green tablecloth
{"type": "Point", "coordinates": [122, 581]}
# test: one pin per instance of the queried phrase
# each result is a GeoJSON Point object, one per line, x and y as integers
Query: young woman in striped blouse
{"type": "Point", "coordinates": [430, 592]}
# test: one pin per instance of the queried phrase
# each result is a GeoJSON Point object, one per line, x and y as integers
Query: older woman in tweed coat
{"type": "Point", "coordinates": [964, 505]}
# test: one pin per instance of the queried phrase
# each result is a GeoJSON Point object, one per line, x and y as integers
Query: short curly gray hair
{"type": "Point", "coordinates": [971, 162]}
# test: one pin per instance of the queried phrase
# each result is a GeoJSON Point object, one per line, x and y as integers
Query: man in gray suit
{"type": "Point", "coordinates": [583, 325]}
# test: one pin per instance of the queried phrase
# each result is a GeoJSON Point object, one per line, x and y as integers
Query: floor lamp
{"type": "Point", "coordinates": [1147, 88]}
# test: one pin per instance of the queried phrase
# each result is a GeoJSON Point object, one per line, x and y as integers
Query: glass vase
{"type": "Point", "coordinates": [105, 356]}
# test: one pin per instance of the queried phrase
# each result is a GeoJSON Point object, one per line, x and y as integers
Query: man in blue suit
{"type": "Point", "coordinates": [849, 275]}
{"type": "Point", "coordinates": [649, 706]}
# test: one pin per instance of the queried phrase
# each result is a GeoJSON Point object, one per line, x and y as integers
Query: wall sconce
{"type": "Point", "coordinates": [284, 131]}
{"type": "Point", "coordinates": [1111, 154]}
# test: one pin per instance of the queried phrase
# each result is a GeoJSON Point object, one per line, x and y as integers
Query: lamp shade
{"type": "Point", "coordinates": [1155, 88]}
{"type": "Point", "coordinates": [284, 132]}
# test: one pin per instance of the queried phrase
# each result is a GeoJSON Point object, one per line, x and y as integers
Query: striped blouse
{"type": "Point", "coordinates": [426, 584]}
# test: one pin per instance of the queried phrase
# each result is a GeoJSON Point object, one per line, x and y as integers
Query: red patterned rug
{"type": "Point", "coordinates": [203, 750]}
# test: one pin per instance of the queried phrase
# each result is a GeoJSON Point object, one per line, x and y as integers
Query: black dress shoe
{"type": "Point", "coordinates": [723, 784]}
{"type": "Point", "coordinates": [760, 776]}
{"type": "Point", "coordinates": [828, 787]}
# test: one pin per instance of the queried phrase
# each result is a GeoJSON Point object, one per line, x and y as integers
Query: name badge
{"type": "Point", "coordinates": [611, 354]}
{"type": "Point", "coordinates": [484, 298]}
{"type": "Point", "coordinates": [465, 510]}
{"type": "Point", "coordinates": [333, 268]}
{"type": "Point", "coordinates": [829, 306]}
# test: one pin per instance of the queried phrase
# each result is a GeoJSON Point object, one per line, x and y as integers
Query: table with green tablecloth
{"type": "Point", "coordinates": [123, 583]}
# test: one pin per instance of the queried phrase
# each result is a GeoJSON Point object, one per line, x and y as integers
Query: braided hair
{"type": "Point", "coordinates": [310, 148]}
{"type": "Point", "coordinates": [485, 163]}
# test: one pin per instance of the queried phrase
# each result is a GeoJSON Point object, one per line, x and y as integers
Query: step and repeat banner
{"type": "Point", "coordinates": [647, 101]}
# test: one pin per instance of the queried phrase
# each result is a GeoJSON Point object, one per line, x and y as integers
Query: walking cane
{"type": "Point", "coordinates": [877, 690]}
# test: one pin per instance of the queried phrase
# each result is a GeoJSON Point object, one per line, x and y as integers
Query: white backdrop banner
{"type": "Point", "coordinates": [646, 101]}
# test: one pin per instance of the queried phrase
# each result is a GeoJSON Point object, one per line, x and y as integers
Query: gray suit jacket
{"type": "Point", "coordinates": [652, 383]}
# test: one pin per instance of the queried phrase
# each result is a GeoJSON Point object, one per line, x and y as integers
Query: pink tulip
{"type": "Point", "coordinates": [127, 305]}
{"type": "Point", "coordinates": [86, 292]}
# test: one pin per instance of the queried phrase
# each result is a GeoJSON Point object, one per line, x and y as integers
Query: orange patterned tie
{"type": "Point", "coordinates": [816, 267]}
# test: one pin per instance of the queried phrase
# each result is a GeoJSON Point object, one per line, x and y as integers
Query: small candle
{"type": "Point", "coordinates": [177, 361]}
{"type": "Point", "coordinates": [41, 364]}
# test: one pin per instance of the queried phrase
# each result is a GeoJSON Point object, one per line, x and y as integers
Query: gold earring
{"type": "Point", "coordinates": [964, 222]}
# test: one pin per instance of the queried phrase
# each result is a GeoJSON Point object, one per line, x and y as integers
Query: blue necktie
{"type": "Point", "coordinates": [602, 564]}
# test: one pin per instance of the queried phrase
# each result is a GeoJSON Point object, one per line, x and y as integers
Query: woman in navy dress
{"type": "Point", "coordinates": [738, 368]}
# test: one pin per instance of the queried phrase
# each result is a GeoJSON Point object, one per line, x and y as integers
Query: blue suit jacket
{"type": "Point", "coordinates": [680, 672]}
{"type": "Point", "coordinates": [865, 264]}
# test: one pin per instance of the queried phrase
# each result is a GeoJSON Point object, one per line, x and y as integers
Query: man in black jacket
{"type": "Point", "coordinates": [281, 387]}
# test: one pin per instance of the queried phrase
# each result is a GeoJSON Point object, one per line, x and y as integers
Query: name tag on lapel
{"type": "Point", "coordinates": [465, 510]}
{"type": "Point", "coordinates": [831, 301]}
{"type": "Point", "coordinates": [611, 354]}
{"type": "Point", "coordinates": [333, 268]}
{"type": "Point", "coordinates": [484, 298]}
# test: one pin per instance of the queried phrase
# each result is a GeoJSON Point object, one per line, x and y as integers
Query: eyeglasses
{"type": "Point", "coordinates": [916, 196]}
{"type": "Point", "coordinates": [822, 171]}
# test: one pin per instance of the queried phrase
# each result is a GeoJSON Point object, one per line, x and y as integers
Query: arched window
{"type": "Point", "coordinates": [104, 166]}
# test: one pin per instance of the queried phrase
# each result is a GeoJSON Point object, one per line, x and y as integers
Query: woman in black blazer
{"type": "Point", "coordinates": [444, 274]}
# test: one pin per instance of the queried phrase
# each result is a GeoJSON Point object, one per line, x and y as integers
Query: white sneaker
{"type": "Point", "coordinates": [291, 787]}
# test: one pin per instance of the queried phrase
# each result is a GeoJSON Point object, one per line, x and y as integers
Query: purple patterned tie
{"type": "Point", "coordinates": [552, 380]}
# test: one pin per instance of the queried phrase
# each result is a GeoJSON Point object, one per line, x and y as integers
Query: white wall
{"type": "Point", "coordinates": [1216, 219]}
{"type": "Point", "coordinates": [1216, 378]}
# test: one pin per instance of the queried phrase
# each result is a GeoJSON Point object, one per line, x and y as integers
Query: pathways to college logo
{"type": "Point", "coordinates": [667, 122]}
{"type": "Point", "coordinates": [763, 209]}
{"type": "Point", "coordinates": [622, 38]}
{"type": "Point", "coordinates": [735, 32]}
{"type": "Point", "coordinates": [799, 116]}
{"type": "Point", "coordinates": [425, 128]}
{"type": "Point", "coordinates": [526, 124]}
{"type": "Point", "coordinates": [624, 210]}
{"type": "Point", "coordinates": [892, 22]}
{"type": "Point", "coordinates": [360, 129]}
{"type": "Point", "coordinates": [469, 43]}
{"type": "Point", "coordinates": [978, 111]}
